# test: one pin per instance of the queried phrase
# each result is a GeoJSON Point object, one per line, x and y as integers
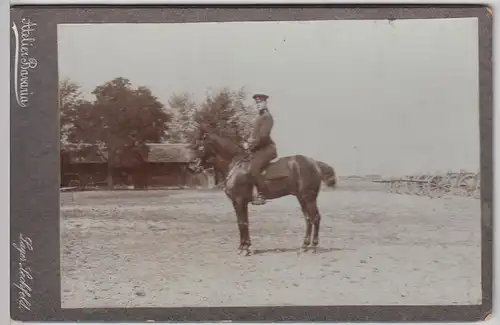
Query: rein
{"type": "Point", "coordinates": [235, 161]}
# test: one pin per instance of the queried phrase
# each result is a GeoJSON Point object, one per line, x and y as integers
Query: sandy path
{"type": "Point", "coordinates": [178, 248]}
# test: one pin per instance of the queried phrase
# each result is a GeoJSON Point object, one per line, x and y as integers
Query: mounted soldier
{"type": "Point", "coordinates": [296, 175]}
{"type": "Point", "coordinates": [261, 146]}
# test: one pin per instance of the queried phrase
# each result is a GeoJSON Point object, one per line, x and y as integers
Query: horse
{"type": "Point", "coordinates": [295, 175]}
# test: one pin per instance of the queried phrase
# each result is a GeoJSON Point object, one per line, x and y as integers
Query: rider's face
{"type": "Point", "coordinates": [260, 105]}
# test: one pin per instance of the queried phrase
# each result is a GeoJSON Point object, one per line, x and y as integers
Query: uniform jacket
{"type": "Point", "coordinates": [261, 132]}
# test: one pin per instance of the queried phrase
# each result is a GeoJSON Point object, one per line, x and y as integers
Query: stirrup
{"type": "Point", "coordinates": [259, 200]}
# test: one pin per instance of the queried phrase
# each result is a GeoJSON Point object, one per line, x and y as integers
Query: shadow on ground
{"type": "Point", "coordinates": [319, 250]}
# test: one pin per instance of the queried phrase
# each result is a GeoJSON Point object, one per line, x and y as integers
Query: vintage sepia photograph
{"type": "Point", "coordinates": [270, 163]}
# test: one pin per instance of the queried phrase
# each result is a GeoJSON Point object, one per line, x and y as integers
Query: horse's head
{"type": "Point", "coordinates": [211, 148]}
{"type": "Point", "coordinates": [202, 145]}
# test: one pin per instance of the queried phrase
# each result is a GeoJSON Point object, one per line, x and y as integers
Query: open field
{"type": "Point", "coordinates": [179, 248]}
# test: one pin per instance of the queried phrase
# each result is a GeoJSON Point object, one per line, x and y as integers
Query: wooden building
{"type": "Point", "coordinates": [83, 165]}
{"type": "Point", "coordinates": [167, 165]}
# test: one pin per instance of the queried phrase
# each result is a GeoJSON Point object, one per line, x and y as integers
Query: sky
{"type": "Point", "coordinates": [365, 96]}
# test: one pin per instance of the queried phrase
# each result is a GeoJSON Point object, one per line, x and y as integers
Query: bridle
{"type": "Point", "coordinates": [201, 146]}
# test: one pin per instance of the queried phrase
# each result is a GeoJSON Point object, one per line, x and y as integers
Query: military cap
{"type": "Point", "coordinates": [260, 97]}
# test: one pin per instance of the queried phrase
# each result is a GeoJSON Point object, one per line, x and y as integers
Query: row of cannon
{"type": "Point", "coordinates": [463, 184]}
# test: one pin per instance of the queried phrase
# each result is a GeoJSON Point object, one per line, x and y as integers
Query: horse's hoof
{"type": "Point", "coordinates": [248, 253]}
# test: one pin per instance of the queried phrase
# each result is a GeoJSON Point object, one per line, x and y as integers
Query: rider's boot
{"type": "Point", "coordinates": [258, 197]}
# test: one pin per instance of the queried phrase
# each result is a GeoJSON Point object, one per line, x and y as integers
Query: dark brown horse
{"type": "Point", "coordinates": [297, 175]}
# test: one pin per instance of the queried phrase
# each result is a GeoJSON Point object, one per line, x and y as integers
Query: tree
{"type": "Point", "coordinates": [119, 124]}
{"type": "Point", "coordinates": [223, 111]}
{"type": "Point", "coordinates": [124, 119]}
{"type": "Point", "coordinates": [243, 115]}
{"type": "Point", "coordinates": [226, 113]}
{"type": "Point", "coordinates": [70, 102]}
{"type": "Point", "coordinates": [183, 124]}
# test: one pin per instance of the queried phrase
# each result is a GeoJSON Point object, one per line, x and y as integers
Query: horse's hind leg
{"type": "Point", "coordinates": [308, 234]}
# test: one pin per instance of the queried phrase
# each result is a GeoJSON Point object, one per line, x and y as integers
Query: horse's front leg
{"type": "Point", "coordinates": [316, 220]}
{"type": "Point", "coordinates": [241, 209]}
{"type": "Point", "coordinates": [307, 218]}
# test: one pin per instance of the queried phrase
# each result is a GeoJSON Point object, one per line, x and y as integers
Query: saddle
{"type": "Point", "coordinates": [278, 168]}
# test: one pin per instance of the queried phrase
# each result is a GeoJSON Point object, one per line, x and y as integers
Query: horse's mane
{"type": "Point", "coordinates": [225, 146]}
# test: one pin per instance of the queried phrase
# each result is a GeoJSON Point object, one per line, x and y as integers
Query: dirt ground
{"type": "Point", "coordinates": [179, 248]}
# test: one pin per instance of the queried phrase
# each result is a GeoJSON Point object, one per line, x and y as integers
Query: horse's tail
{"type": "Point", "coordinates": [328, 174]}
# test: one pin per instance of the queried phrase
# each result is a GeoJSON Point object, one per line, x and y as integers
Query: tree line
{"type": "Point", "coordinates": [121, 119]}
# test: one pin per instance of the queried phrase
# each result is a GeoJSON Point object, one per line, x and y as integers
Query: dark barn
{"type": "Point", "coordinates": [83, 170]}
{"type": "Point", "coordinates": [167, 165]}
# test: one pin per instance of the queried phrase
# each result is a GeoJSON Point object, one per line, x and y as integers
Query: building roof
{"type": "Point", "coordinates": [158, 153]}
{"type": "Point", "coordinates": [170, 153]}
